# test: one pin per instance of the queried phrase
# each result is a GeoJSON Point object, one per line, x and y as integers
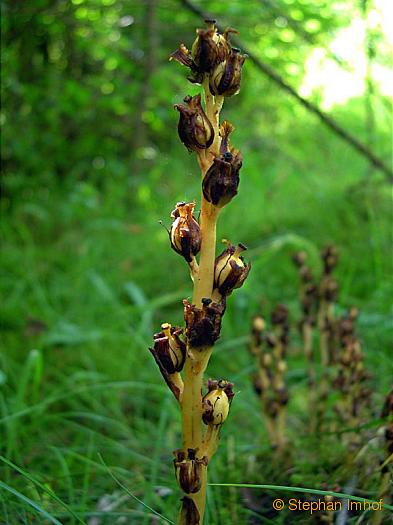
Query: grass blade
{"type": "Point", "coordinates": [132, 495]}
{"type": "Point", "coordinates": [302, 489]}
{"type": "Point", "coordinates": [30, 502]}
{"type": "Point", "coordinates": [43, 488]}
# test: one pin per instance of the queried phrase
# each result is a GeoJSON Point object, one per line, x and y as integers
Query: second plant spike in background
{"type": "Point", "coordinates": [270, 350]}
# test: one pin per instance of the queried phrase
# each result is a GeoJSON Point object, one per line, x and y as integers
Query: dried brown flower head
{"type": "Point", "coordinates": [169, 349]}
{"type": "Point", "coordinates": [231, 271]}
{"type": "Point", "coordinates": [226, 77]}
{"type": "Point", "coordinates": [217, 401]}
{"type": "Point", "coordinates": [209, 49]}
{"type": "Point", "coordinates": [188, 470]}
{"type": "Point", "coordinates": [203, 325]}
{"type": "Point", "coordinates": [221, 181]}
{"type": "Point", "coordinates": [185, 235]}
{"type": "Point", "coordinates": [195, 129]}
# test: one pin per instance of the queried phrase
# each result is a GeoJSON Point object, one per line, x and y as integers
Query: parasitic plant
{"type": "Point", "coordinates": [317, 301]}
{"type": "Point", "coordinates": [340, 357]}
{"type": "Point", "coordinates": [270, 350]}
{"type": "Point", "coordinates": [352, 374]}
{"type": "Point", "coordinates": [182, 354]}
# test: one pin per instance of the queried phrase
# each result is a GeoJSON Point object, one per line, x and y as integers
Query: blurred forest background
{"type": "Point", "coordinates": [91, 162]}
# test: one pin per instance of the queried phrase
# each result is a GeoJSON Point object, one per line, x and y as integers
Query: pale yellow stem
{"type": "Point", "coordinates": [194, 269]}
{"type": "Point", "coordinates": [203, 284]}
{"type": "Point", "coordinates": [194, 367]}
{"type": "Point", "coordinates": [203, 278]}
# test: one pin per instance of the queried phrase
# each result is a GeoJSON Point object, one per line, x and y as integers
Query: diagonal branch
{"type": "Point", "coordinates": [361, 148]}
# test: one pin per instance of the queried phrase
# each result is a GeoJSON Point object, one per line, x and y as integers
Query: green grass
{"type": "Point", "coordinates": [82, 385]}
{"type": "Point", "coordinates": [88, 276]}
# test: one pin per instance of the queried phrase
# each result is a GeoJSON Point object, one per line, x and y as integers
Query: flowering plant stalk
{"type": "Point", "coordinates": [270, 350]}
{"type": "Point", "coordinates": [317, 301]}
{"type": "Point", "coordinates": [182, 354]}
{"type": "Point", "coordinates": [341, 359]}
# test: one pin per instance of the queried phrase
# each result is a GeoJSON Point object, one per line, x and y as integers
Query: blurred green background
{"type": "Point", "coordinates": [91, 162]}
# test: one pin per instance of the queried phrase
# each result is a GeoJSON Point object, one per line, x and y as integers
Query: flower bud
{"type": "Point", "coordinates": [230, 269]}
{"type": "Point", "coordinates": [216, 402]}
{"type": "Point", "coordinates": [195, 129]}
{"type": "Point", "coordinates": [221, 181]}
{"type": "Point", "coordinates": [226, 76]}
{"type": "Point", "coordinates": [185, 235]}
{"type": "Point", "coordinates": [188, 470]}
{"type": "Point", "coordinates": [169, 350]}
{"type": "Point", "coordinates": [203, 325]}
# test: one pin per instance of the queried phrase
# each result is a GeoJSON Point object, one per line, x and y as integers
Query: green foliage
{"type": "Point", "coordinates": [91, 163]}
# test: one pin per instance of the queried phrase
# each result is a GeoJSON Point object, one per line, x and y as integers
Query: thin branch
{"type": "Point", "coordinates": [310, 106]}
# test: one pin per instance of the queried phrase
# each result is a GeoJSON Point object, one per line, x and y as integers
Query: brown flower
{"type": "Point", "coordinates": [185, 235]}
{"type": "Point", "coordinates": [195, 129]}
{"type": "Point", "coordinates": [169, 349]}
{"type": "Point", "coordinates": [217, 401]}
{"type": "Point", "coordinates": [230, 270]}
{"type": "Point", "coordinates": [188, 470]}
{"type": "Point", "coordinates": [221, 181]}
{"type": "Point", "coordinates": [203, 325]}
{"type": "Point", "coordinates": [226, 77]}
{"type": "Point", "coordinates": [209, 49]}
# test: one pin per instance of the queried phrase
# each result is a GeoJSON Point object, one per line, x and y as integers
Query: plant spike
{"type": "Point", "coordinates": [308, 302]}
{"type": "Point", "coordinates": [182, 355]}
{"type": "Point", "coordinates": [269, 350]}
